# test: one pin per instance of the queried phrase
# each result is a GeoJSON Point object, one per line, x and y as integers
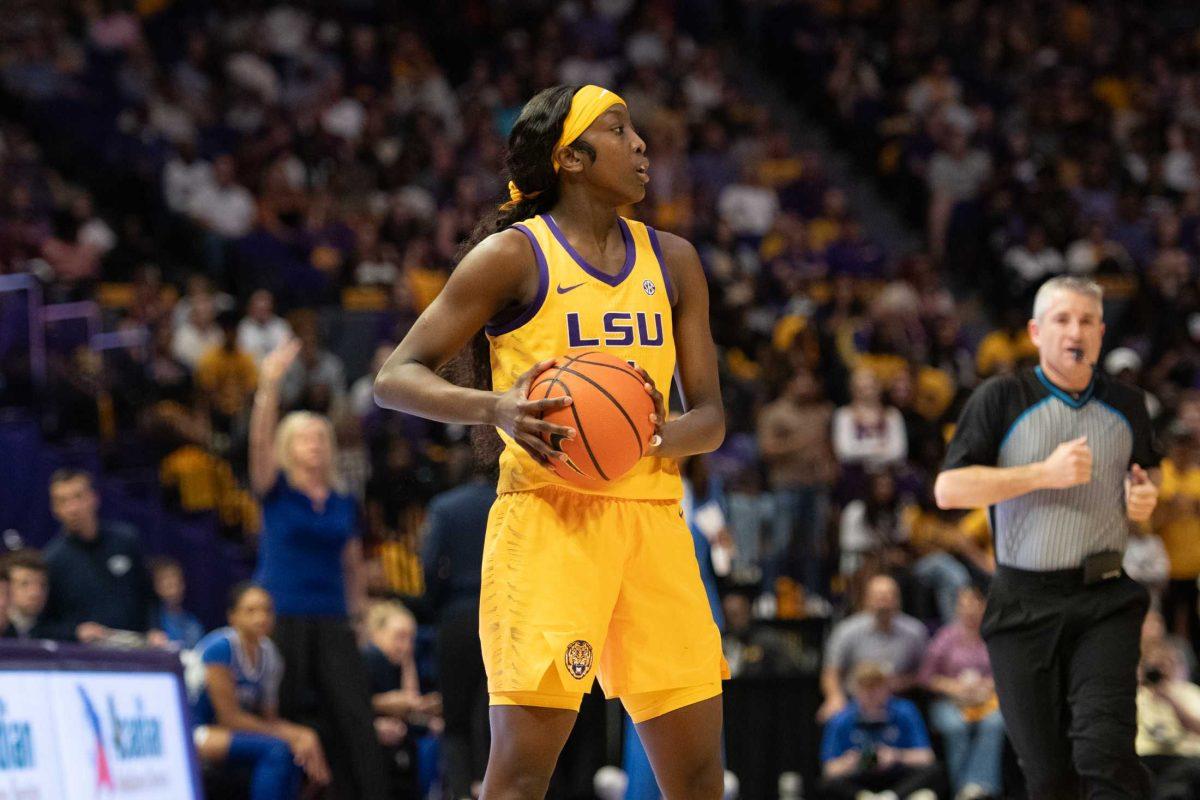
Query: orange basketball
{"type": "Point", "coordinates": [610, 412]}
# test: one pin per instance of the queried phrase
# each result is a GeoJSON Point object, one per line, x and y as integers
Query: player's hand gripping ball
{"type": "Point", "coordinates": [610, 412]}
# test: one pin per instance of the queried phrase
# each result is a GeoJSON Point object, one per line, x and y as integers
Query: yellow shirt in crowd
{"type": "Point", "coordinates": [1180, 528]}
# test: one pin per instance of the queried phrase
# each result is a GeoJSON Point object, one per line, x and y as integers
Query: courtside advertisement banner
{"type": "Point", "coordinates": [126, 734]}
{"type": "Point", "coordinates": [93, 726]}
{"type": "Point", "coordinates": [29, 765]}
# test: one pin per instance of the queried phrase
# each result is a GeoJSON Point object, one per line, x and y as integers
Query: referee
{"type": "Point", "coordinates": [1059, 455]}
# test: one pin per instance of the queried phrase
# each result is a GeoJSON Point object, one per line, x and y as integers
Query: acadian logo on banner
{"type": "Point", "coordinates": [16, 742]}
{"type": "Point", "coordinates": [122, 737]}
{"type": "Point", "coordinates": [29, 765]}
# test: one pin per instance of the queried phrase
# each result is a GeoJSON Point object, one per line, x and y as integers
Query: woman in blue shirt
{"type": "Point", "coordinates": [235, 711]}
{"type": "Point", "coordinates": [310, 560]}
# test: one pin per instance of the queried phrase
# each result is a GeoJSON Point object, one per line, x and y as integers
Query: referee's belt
{"type": "Point", "coordinates": [1097, 568]}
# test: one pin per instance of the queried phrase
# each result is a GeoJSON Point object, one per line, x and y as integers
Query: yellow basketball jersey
{"type": "Point", "coordinates": [577, 308]}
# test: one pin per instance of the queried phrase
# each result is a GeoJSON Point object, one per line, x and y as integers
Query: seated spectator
{"type": "Point", "coordinates": [199, 287]}
{"type": "Point", "coordinates": [180, 625]}
{"type": "Point", "coordinates": [750, 648]}
{"type": "Point", "coordinates": [871, 531]}
{"type": "Point", "coordinates": [237, 711]}
{"type": "Point", "coordinates": [966, 712]}
{"type": "Point", "coordinates": [198, 334]}
{"type": "Point", "coordinates": [1031, 262]}
{"type": "Point", "coordinates": [877, 746]}
{"type": "Point", "coordinates": [261, 330]}
{"type": "Point", "coordinates": [27, 577]}
{"type": "Point", "coordinates": [881, 634]}
{"type": "Point", "coordinates": [7, 631]}
{"type": "Point", "coordinates": [396, 693]}
{"type": "Point", "coordinates": [1088, 254]}
{"type": "Point", "coordinates": [1168, 720]}
{"type": "Point", "coordinates": [1146, 562]}
{"type": "Point", "coordinates": [99, 585]}
{"type": "Point", "coordinates": [224, 207]}
{"type": "Point", "coordinates": [1155, 634]}
{"type": "Point", "coordinates": [362, 391]}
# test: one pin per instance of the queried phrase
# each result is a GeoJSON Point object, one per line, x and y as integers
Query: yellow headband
{"type": "Point", "coordinates": [588, 103]}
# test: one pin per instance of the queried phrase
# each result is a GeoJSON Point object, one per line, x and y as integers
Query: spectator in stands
{"type": "Point", "coordinates": [877, 746]}
{"type": "Point", "coordinates": [316, 380]}
{"type": "Point", "coordinates": [872, 531]}
{"type": "Point", "coordinates": [749, 207]}
{"type": "Point", "coordinates": [227, 375]}
{"type": "Point", "coordinates": [750, 648]}
{"type": "Point", "coordinates": [1146, 562]}
{"type": "Point", "coordinates": [1168, 720]}
{"type": "Point", "coordinates": [867, 433]}
{"type": "Point", "coordinates": [966, 712]}
{"type": "Point", "coordinates": [881, 634]}
{"type": "Point", "coordinates": [223, 207]}
{"type": "Point", "coordinates": [1155, 634]}
{"type": "Point", "coordinates": [7, 631]}
{"type": "Point", "coordinates": [180, 625]}
{"type": "Point", "coordinates": [28, 579]}
{"type": "Point", "coordinates": [1177, 521]}
{"type": "Point", "coordinates": [1031, 262]}
{"type": "Point", "coordinates": [957, 172]}
{"type": "Point", "coordinates": [362, 391]}
{"type": "Point", "coordinates": [455, 524]}
{"type": "Point", "coordinates": [396, 697]}
{"type": "Point", "coordinates": [185, 176]}
{"type": "Point", "coordinates": [199, 333]}
{"type": "Point", "coordinates": [99, 584]}
{"type": "Point", "coordinates": [1096, 251]}
{"type": "Point", "coordinates": [236, 712]}
{"type": "Point", "coordinates": [794, 442]}
{"type": "Point", "coordinates": [310, 560]}
{"type": "Point", "coordinates": [261, 330]}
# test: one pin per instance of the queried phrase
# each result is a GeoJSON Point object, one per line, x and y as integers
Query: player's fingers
{"type": "Point", "coordinates": [1139, 475]}
{"type": "Point", "coordinates": [537, 407]}
{"type": "Point", "coordinates": [528, 375]}
{"type": "Point", "coordinates": [543, 451]}
{"type": "Point", "coordinates": [540, 426]}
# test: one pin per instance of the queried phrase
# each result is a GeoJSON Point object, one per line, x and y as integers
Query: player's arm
{"type": "Point", "coordinates": [222, 692]}
{"type": "Point", "coordinates": [497, 273]}
{"type": "Point", "coordinates": [701, 428]}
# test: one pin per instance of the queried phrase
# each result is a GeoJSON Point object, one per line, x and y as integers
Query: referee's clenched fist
{"type": "Point", "coordinates": [1141, 495]}
{"type": "Point", "coordinates": [1069, 465]}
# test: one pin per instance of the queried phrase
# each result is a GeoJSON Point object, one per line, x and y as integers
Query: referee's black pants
{"type": "Point", "coordinates": [1064, 656]}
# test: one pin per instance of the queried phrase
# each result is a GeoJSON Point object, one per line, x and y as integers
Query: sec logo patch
{"type": "Point", "coordinates": [578, 658]}
{"type": "Point", "coordinates": [648, 285]}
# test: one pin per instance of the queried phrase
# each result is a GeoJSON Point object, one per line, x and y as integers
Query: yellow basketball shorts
{"type": "Point", "coordinates": [578, 587]}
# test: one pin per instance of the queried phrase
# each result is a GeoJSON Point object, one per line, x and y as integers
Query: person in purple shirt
{"type": "Point", "coordinates": [966, 712]}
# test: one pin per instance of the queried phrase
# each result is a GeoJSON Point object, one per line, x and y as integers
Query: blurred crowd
{"type": "Point", "coordinates": [217, 178]}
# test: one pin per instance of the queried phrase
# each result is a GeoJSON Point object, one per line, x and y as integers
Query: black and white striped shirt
{"type": "Point", "coordinates": [1020, 419]}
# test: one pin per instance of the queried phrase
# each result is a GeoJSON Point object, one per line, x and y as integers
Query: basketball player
{"type": "Point", "coordinates": [581, 583]}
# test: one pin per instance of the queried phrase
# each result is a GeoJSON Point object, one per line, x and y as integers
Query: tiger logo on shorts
{"type": "Point", "coordinates": [579, 658]}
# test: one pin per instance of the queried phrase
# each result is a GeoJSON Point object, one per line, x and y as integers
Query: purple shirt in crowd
{"type": "Point", "coordinates": [953, 651]}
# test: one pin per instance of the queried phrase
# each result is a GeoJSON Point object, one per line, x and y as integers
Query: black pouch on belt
{"type": "Point", "coordinates": [1102, 567]}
